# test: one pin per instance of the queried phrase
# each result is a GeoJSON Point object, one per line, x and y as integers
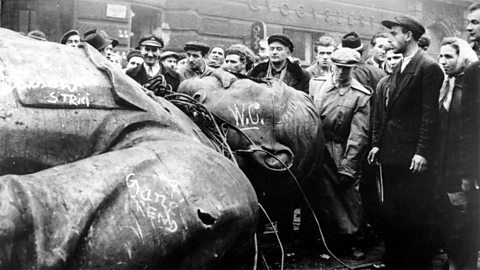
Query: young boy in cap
{"type": "Point", "coordinates": [151, 48]}
{"type": "Point", "coordinates": [169, 59]}
{"type": "Point", "coordinates": [279, 67]}
{"type": "Point", "coordinates": [404, 141]}
{"type": "Point", "coordinates": [134, 59]}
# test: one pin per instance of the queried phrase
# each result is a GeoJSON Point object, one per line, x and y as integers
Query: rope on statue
{"type": "Point", "coordinates": [200, 115]}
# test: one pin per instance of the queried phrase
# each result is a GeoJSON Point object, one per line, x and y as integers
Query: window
{"type": "Point", "coordinates": [303, 42]}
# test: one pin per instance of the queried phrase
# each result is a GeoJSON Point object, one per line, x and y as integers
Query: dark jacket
{"type": "Point", "coordinates": [295, 76]}
{"type": "Point", "coordinates": [368, 75]}
{"type": "Point", "coordinates": [448, 160]}
{"type": "Point", "coordinates": [140, 75]}
{"type": "Point", "coordinates": [470, 123]}
{"type": "Point", "coordinates": [410, 122]}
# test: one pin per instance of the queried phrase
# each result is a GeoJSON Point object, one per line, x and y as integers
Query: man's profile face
{"type": "Point", "coordinates": [73, 41]}
{"type": "Point", "coordinates": [278, 52]}
{"type": "Point", "coordinates": [233, 63]}
{"type": "Point", "coordinates": [473, 25]}
{"type": "Point", "coordinates": [399, 40]}
{"type": "Point", "coordinates": [195, 59]}
{"type": "Point", "coordinates": [324, 55]}
{"type": "Point", "coordinates": [263, 50]}
{"type": "Point", "coordinates": [151, 54]}
{"type": "Point", "coordinates": [378, 51]}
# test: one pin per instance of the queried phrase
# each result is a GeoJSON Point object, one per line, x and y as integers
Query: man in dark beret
{"type": "Point", "coordinates": [404, 143]}
{"type": "Point", "coordinates": [151, 49]}
{"type": "Point", "coordinates": [280, 67]}
{"type": "Point", "coordinates": [71, 38]}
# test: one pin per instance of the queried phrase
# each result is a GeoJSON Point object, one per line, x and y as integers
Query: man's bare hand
{"type": "Point", "coordinates": [372, 155]}
{"type": "Point", "coordinates": [419, 164]}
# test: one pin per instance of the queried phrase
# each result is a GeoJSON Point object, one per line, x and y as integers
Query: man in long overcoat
{"type": "Point", "coordinates": [404, 141]}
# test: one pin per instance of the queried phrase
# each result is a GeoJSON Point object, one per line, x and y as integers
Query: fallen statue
{"type": "Point", "coordinates": [94, 174]}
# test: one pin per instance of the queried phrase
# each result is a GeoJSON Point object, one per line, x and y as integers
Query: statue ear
{"type": "Point", "coordinates": [281, 158]}
{"type": "Point", "coordinates": [200, 96]}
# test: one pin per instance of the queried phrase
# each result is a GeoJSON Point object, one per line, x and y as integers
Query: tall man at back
{"type": "Point", "coordinates": [404, 142]}
{"type": "Point", "coordinates": [151, 49]}
{"type": "Point", "coordinates": [279, 67]}
{"type": "Point", "coordinates": [473, 26]}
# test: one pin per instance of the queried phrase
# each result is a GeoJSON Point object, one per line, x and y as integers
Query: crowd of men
{"type": "Point", "coordinates": [401, 128]}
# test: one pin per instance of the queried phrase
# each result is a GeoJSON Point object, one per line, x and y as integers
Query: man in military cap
{"type": "Point", "coordinates": [344, 108]}
{"type": "Point", "coordinates": [151, 49]}
{"type": "Point", "coordinates": [404, 143]}
{"type": "Point", "coordinates": [280, 67]}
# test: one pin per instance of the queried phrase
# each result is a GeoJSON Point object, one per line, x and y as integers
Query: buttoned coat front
{"type": "Point", "coordinates": [411, 116]}
{"type": "Point", "coordinates": [345, 114]}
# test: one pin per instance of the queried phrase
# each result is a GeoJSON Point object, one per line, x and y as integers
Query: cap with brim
{"type": "Point", "coordinates": [197, 46]}
{"type": "Point", "coordinates": [152, 41]}
{"type": "Point", "coordinates": [408, 22]}
{"type": "Point", "coordinates": [168, 54]}
{"type": "Point", "coordinates": [134, 53]}
{"type": "Point", "coordinates": [282, 39]}
{"type": "Point", "coordinates": [69, 34]}
{"type": "Point", "coordinates": [345, 57]}
{"type": "Point", "coordinates": [37, 34]}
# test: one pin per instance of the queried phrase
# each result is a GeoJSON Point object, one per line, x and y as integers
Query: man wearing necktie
{"type": "Point", "coordinates": [404, 143]}
{"type": "Point", "coordinates": [459, 213]}
{"type": "Point", "coordinates": [151, 49]}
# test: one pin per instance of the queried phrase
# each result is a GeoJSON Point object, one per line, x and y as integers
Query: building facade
{"type": "Point", "coordinates": [230, 21]}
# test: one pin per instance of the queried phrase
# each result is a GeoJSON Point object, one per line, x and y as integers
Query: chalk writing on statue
{"type": "Point", "coordinates": [158, 207]}
{"type": "Point", "coordinates": [77, 99]}
{"type": "Point", "coordinates": [247, 115]}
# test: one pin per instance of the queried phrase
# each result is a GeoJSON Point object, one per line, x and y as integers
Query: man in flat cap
{"type": "Point", "coordinates": [151, 49]}
{"type": "Point", "coordinates": [404, 144]}
{"type": "Point", "coordinates": [343, 105]}
{"type": "Point", "coordinates": [169, 59]}
{"type": "Point", "coordinates": [196, 60]}
{"type": "Point", "coordinates": [134, 59]}
{"type": "Point", "coordinates": [197, 66]}
{"type": "Point", "coordinates": [280, 67]}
